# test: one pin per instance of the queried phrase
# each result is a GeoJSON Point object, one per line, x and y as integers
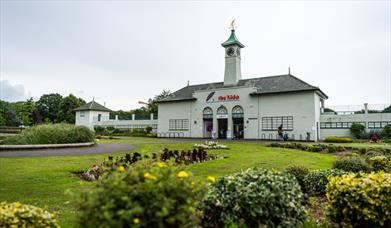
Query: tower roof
{"type": "Point", "coordinates": [232, 40]}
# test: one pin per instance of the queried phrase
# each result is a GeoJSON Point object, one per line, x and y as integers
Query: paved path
{"type": "Point", "coordinates": [100, 148]}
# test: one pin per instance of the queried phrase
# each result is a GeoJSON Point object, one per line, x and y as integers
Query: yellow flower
{"type": "Point", "coordinates": [183, 174]}
{"type": "Point", "coordinates": [211, 179]}
{"type": "Point", "coordinates": [121, 169]}
{"type": "Point", "coordinates": [149, 176]}
{"type": "Point", "coordinates": [18, 204]}
{"type": "Point", "coordinates": [161, 164]}
{"type": "Point", "coordinates": [136, 221]}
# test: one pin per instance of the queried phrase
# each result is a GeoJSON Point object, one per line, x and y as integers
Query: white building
{"type": "Point", "coordinates": [241, 108]}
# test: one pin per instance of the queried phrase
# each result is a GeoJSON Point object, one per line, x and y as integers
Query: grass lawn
{"type": "Point", "coordinates": [43, 181]}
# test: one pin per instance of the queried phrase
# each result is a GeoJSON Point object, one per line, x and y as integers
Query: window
{"type": "Point", "coordinates": [237, 112]}
{"type": "Point", "coordinates": [272, 123]}
{"type": "Point", "coordinates": [178, 125]}
{"type": "Point", "coordinates": [222, 110]}
{"type": "Point", "coordinates": [338, 125]}
{"type": "Point", "coordinates": [207, 113]}
{"type": "Point", "coordinates": [378, 125]}
{"type": "Point", "coordinates": [82, 114]}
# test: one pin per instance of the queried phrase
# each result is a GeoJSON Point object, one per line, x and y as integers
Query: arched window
{"type": "Point", "coordinates": [237, 112]}
{"type": "Point", "coordinates": [207, 113]}
{"type": "Point", "coordinates": [222, 110]}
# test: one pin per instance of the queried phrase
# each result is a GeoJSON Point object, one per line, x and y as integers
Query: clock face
{"type": "Point", "coordinates": [230, 51]}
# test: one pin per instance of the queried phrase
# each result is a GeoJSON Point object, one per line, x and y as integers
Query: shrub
{"type": "Point", "coordinates": [255, 198]}
{"type": "Point", "coordinates": [357, 130]}
{"type": "Point", "coordinates": [315, 182]}
{"type": "Point", "coordinates": [380, 163]}
{"type": "Point", "coordinates": [21, 215]}
{"type": "Point", "coordinates": [99, 130]}
{"type": "Point", "coordinates": [386, 133]}
{"type": "Point", "coordinates": [52, 134]}
{"type": "Point", "coordinates": [335, 139]}
{"type": "Point", "coordinates": [148, 129]}
{"type": "Point", "coordinates": [360, 200]}
{"type": "Point", "coordinates": [373, 153]}
{"type": "Point", "coordinates": [353, 164]}
{"type": "Point", "coordinates": [299, 172]}
{"type": "Point", "coordinates": [144, 195]}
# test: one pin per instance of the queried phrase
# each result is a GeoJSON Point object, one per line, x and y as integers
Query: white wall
{"type": "Point", "coordinates": [88, 118]}
{"type": "Point", "coordinates": [369, 117]}
{"type": "Point", "coordinates": [299, 105]}
{"type": "Point", "coordinates": [174, 110]}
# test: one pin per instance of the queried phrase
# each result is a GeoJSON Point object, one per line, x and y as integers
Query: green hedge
{"type": "Point", "coordinates": [254, 198]}
{"type": "Point", "coordinates": [335, 139]}
{"type": "Point", "coordinates": [360, 200]}
{"type": "Point", "coordinates": [21, 215]}
{"type": "Point", "coordinates": [52, 134]}
{"type": "Point", "coordinates": [353, 164]}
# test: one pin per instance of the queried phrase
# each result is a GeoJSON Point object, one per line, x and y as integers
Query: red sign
{"type": "Point", "coordinates": [229, 98]}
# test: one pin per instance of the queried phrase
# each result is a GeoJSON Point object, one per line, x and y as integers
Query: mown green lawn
{"type": "Point", "coordinates": [44, 181]}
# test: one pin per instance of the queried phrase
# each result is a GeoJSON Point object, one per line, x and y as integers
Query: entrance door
{"type": "Point", "coordinates": [208, 127]}
{"type": "Point", "coordinates": [222, 126]}
{"type": "Point", "coordinates": [238, 128]}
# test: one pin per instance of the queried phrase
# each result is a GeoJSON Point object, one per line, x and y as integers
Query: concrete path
{"type": "Point", "coordinates": [100, 148]}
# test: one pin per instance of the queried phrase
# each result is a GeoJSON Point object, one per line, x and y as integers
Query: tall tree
{"type": "Point", "coordinates": [7, 115]}
{"type": "Point", "coordinates": [67, 104]}
{"type": "Point", "coordinates": [24, 111]}
{"type": "Point", "coordinates": [48, 106]}
{"type": "Point", "coordinates": [152, 103]}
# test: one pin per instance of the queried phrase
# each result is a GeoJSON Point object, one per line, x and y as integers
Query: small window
{"type": "Point", "coordinates": [82, 114]}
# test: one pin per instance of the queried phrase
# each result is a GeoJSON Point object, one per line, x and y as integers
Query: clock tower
{"type": "Point", "coordinates": [232, 73]}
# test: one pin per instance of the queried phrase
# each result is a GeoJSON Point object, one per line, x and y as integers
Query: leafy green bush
{"type": "Point", "coordinates": [315, 182]}
{"type": "Point", "coordinates": [21, 215]}
{"type": "Point", "coordinates": [353, 164]}
{"type": "Point", "coordinates": [299, 172]}
{"type": "Point", "coordinates": [148, 129]}
{"type": "Point", "coordinates": [99, 130]}
{"type": "Point", "coordinates": [373, 153]}
{"type": "Point", "coordinates": [386, 133]}
{"type": "Point", "coordinates": [144, 195]}
{"type": "Point", "coordinates": [360, 200]}
{"type": "Point", "coordinates": [357, 130]}
{"type": "Point", "coordinates": [335, 139]}
{"type": "Point", "coordinates": [52, 134]}
{"type": "Point", "coordinates": [380, 163]}
{"type": "Point", "coordinates": [254, 198]}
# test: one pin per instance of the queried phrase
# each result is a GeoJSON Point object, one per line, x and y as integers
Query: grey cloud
{"type": "Point", "coordinates": [11, 92]}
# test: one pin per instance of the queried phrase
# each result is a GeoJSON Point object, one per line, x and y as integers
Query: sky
{"type": "Point", "coordinates": [122, 52]}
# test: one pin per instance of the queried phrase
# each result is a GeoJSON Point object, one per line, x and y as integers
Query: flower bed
{"type": "Point", "coordinates": [211, 145]}
{"type": "Point", "coordinates": [112, 163]}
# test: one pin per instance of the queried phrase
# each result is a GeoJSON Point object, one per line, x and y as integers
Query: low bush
{"type": "Point", "coordinates": [144, 196]}
{"type": "Point", "coordinates": [99, 130]}
{"type": "Point", "coordinates": [22, 215]}
{"type": "Point", "coordinates": [52, 134]}
{"type": "Point", "coordinates": [353, 164]}
{"type": "Point", "coordinates": [386, 132]}
{"type": "Point", "coordinates": [335, 139]}
{"type": "Point", "coordinates": [315, 182]}
{"type": "Point", "coordinates": [357, 130]}
{"type": "Point", "coordinates": [299, 172]}
{"type": "Point", "coordinates": [373, 153]}
{"type": "Point", "coordinates": [360, 200]}
{"type": "Point", "coordinates": [380, 163]}
{"type": "Point", "coordinates": [254, 198]}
